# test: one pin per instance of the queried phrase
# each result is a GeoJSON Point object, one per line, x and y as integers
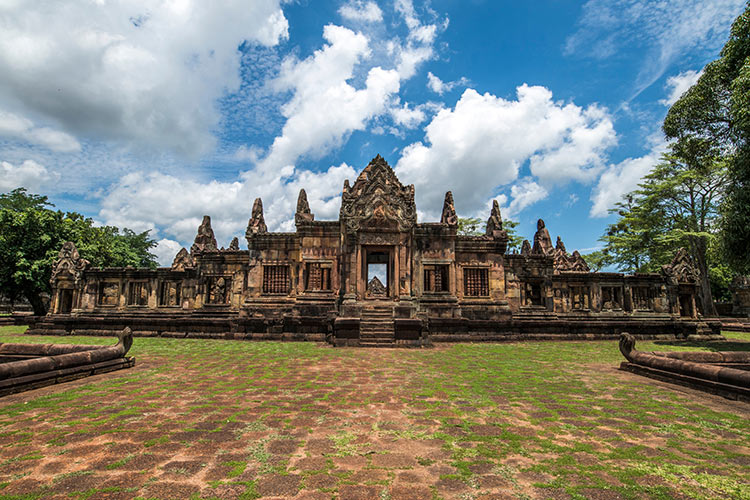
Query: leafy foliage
{"type": "Point", "coordinates": [474, 226]}
{"type": "Point", "coordinates": [717, 109]}
{"type": "Point", "coordinates": [31, 235]}
{"type": "Point", "coordinates": [677, 205]}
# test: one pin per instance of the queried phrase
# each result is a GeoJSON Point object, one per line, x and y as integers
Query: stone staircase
{"type": "Point", "coordinates": [376, 326]}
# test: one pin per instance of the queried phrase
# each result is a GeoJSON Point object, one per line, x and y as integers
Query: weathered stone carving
{"type": "Point", "coordinates": [110, 294]}
{"type": "Point", "coordinates": [218, 291]}
{"type": "Point", "coordinates": [525, 248]}
{"type": "Point", "coordinates": [375, 288]}
{"type": "Point", "coordinates": [204, 240]}
{"type": "Point", "coordinates": [303, 213]}
{"type": "Point", "coordinates": [183, 260]}
{"type": "Point", "coordinates": [565, 262]}
{"type": "Point", "coordinates": [378, 200]}
{"type": "Point", "coordinates": [542, 240]}
{"type": "Point", "coordinates": [68, 262]}
{"type": "Point", "coordinates": [682, 269]}
{"type": "Point", "coordinates": [495, 222]}
{"type": "Point", "coordinates": [256, 224]}
{"type": "Point", "coordinates": [449, 211]}
{"type": "Point", "coordinates": [234, 245]}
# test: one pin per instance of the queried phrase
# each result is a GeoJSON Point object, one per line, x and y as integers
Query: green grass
{"type": "Point", "coordinates": [544, 415]}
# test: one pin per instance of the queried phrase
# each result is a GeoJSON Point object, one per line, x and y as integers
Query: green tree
{"type": "Point", "coordinates": [31, 235]}
{"type": "Point", "coordinates": [474, 226]}
{"type": "Point", "coordinates": [597, 260]}
{"type": "Point", "coordinates": [676, 205]}
{"type": "Point", "coordinates": [717, 109]}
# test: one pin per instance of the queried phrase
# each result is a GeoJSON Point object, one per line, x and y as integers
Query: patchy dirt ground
{"type": "Point", "coordinates": [227, 420]}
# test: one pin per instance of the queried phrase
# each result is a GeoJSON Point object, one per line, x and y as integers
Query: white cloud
{"type": "Point", "coordinates": [165, 251]}
{"type": "Point", "coordinates": [419, 42]}
{"type": "Point", "coordinates": [440, 87]}
{"type": "Point", "coordinates": [17, 127]}
{"type": "Point", "coordinates": [667, 30]}
{"type": "Point", "coordinates": [679, 84]}
{"type": "Point", "coordinates": [140, 72]}
{"type": "Point", "coordinates": [357, 10]}
{"type": "Point", "coordinates": [176, 206]}
{"type": "Point", "coordinates": [624, 177]}
{"type": "Point", "coordinates": [28, 174]}
{"type": "Point", "coordinates": [408, 117]}
{"type": "Point", "coordinates": [325, 108]}
{"type": "Point", "coordinates": [524, 193]}
{"type": "Point", "coordinates": [481, 144]}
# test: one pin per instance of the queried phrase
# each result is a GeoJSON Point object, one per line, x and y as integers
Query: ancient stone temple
{"type": "Point", "coordinates": [376, 276]}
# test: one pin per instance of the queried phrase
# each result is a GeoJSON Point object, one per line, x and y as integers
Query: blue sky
{"type": "Point", "coordinates": [148, 115]}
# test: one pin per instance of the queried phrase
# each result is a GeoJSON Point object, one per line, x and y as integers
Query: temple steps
{"type": "Point", "coordinates": [376, 327]}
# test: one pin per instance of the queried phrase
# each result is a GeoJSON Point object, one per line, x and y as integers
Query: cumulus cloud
{"type": "Point", "coordinates": [679, 84]}
{"type": "Point", "coordinates": [419, 46]}
{"type": "Point", "coordinates": [146, 73]}
{"type": "Point", "coordinates": [622, 178]}
{"type": "Point", "coordinates": [357, 10]}
{"type": "Point", "coordinates": [174, 206]}
{"type": "Point", "coordinates": [165, 251]}
{"type": "Point", "coordinates": [482, 143]}
{"type": "Point", "coordinates": [440, 87]}
{"type": "Point", "coordinates": [28, 174]}
{"type": "Point", "coordinates": [667, 30]}
{"type": "Point", "coordinates": [320, 85]}
{"type": "Point", "coordinates": [18, 127]}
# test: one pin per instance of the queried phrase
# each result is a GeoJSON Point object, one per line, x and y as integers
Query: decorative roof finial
{"type": "Point", "coordinates": [449, 211]}
{"type": "Point", "coordinates": [204, 240]}
{"type": "Point", "coordinates": [303, 209]}
{"type": "Point", "coordinates": [256, 224]}
{"type": "Point", "coordinates": [495, 222]}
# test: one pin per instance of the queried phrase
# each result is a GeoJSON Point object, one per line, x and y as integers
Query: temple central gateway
{"type": "Point", "coordinates": [376, 276]}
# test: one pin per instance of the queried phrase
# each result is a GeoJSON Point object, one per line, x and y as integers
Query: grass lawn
{"type": "Point", "coordinates": [233, 419]}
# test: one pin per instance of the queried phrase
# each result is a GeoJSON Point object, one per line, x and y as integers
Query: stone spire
{"type": "Point", "coordinates": [235, 244]}
{"type": "Point", "coordinates": [204, 240]}
{"type": "Point", "coordinates": [449, 211]}
{"type": "Point", "coordinates": [559, 245]}
{"type": "Point", "coordinates": [303, 209]}
{"type": "Point", "coordinates": [526, 248]}
{"type": "Point", "coordinates": [256, 224]}
{"type": "Point", "coordinates": [495, 222]}
{"type": "Point", "coordinates": [542, 240]}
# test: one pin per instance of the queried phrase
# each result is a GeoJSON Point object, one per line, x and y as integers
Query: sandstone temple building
{"type": "Point", "coordinates": [376, 276]}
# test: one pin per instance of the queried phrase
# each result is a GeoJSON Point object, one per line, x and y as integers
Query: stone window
{"type": "Point", "coordinates": [318, 276]}
{"type": "Point", "coordinates": [579, 297]}
{"type": "Point", "coordinates": [642, 297]}
{"type": "Point", "coordinates": [138, 293]}
{"type": "Point", "coordinates": [611, 297]}
{"type": "Point", "coordinates": [436, 278]}
{"type": "Point", "coordinates": [169, 293]}
{"type": "Point", "coordinates": [476, 282]}
{"type": "Point", "coordinates": [534, 294]}
{"type": "Point", "coordinates": [276, 279]}
{"type": "Point", "coordinates": [109, 294]}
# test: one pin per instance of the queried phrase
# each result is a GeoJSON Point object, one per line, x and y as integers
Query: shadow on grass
{"type": "Point", "coordinates": [709, 345]}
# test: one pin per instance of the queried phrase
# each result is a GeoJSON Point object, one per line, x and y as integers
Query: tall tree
{"type": "Point", "coordinates": [676, 205]}
{"type": "Point", "coordinates": [717, 109]}
{"type": "Point", "coordinates": [31, 235]}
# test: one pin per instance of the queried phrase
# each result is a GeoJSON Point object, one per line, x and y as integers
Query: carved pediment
{"type": "Point", "coordinates": [378, 196]}
{"type": "Point", "coordinates": [375, 288]}
{"type": "Point", "coordinates": [682, 269]}
{"type": "Point", "coordinates": [69, 264]}
{"type": "Point", "coordinates": [182, 261]}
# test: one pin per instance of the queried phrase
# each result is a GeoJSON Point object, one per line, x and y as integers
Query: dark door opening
{"type": "Point", "coordinates": [66, 301]}
{"type": "Point", "coordinates": [686, 305]}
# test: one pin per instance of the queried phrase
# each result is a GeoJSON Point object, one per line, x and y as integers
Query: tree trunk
{"type": "Point", "coordinates": [35, 299]}
{"type": "Point", "coordinates": [705, 297]}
